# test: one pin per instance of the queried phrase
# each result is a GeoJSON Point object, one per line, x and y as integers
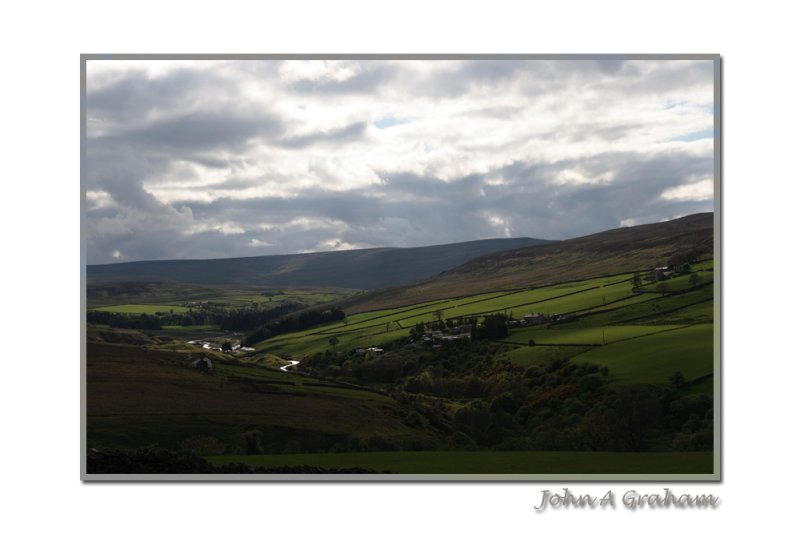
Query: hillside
{"type": "Point", "coordinates": [140, 396]}
{"type": "Point", "coordinates": [601, 254]}
{"type": "Point", "coordinates": [357, 269]}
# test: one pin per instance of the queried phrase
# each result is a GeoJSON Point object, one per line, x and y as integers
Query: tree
{"type": "Point", "coordinates": [493, 327]}
{"type": "Point", "coordinates": [677, 380]}
{"type": "Point", "coordinates": [226, 347]}
{"type": "Point", "coordinates": [636, 280]}
{"type": "Point", "coordinates": [636, 414]}
{"type": "Point", "coordinates": [694, 280]}
{"type": "Point", "coordinates": [333, 342]}
{"type": "Point", "coordinates": [662, 288]}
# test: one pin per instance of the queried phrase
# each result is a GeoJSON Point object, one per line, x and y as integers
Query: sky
{"type": "Point", "coordinates": [218, 158]}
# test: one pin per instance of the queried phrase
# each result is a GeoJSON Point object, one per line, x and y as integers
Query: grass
{"type": "Point", "coordinates": [143, 308]}
{"type": "Point", "coordinates": [679, 283]}
{"type": "Point", "coordinates": [492, 462]}
{"type": "Point", "coordinates": [611, 295]}
{"type": "Point", "coordinates": [596, 335]}
{"type": "Point", "coordinates": [537, 355]}
{"type": "Point", "coordinates": [649, 311]}
{"type": "Point", "coordinates": [653, 359]}
{"type": "Point", "coordinates": [370, 328]}
{"type": "Point", "coordinates": [702, 312]}
{"type": "Point", "coordinates": [193, 328]}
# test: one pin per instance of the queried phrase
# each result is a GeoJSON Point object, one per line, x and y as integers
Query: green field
{"type": "Point", "coordinates": [680, 283]}
{"type": "Point", "coordinates": [653, 310]}
{"type": "Point", "coordinates": [492, 462]}
{"type": "Point", "coordinates": [143, 308]}
{"type": "Point", "coordinates": [538, 355]}
{"type": "Point", "coordinates": [193, 328]}
{"type": "Point", "coordinates": [606, 300]}
{"type": "Point", "coordinates": [653, 359]}
{"type": "Point", "coordinates": [596, 335]}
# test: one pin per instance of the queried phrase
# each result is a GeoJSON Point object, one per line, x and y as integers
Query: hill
{"type": "Point", "coordinates": [602, 254]}
{"type": "Point", "coordinates": [357, 269]}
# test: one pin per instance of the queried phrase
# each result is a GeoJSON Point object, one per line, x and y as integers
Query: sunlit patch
{"type": "Point", "coordinates": [703, 190]}
{"type": "Point", "coordinates": [318, 70]}
{"type": "Point", "coordinates": [98, 199]}
{"type": "Point", "coordinates": [257, 243]}
{"type": "Point", "coordinates": [573, 177]}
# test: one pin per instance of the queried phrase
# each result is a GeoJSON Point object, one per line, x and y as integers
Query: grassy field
{"type": "Point", "coordinates": [538, 355]}
{"type": "Point", "coordinates": [607, 300]}
{"type": "Point", "coordinates": [655, 358]}
{"type": "Point", "coordinates": [653, 310]}
{"type": "Point", "coordinates": [192, 328]}
{"type": "Point", "coordinates": [594, 335]}
{"type": "Point", "coordinates": [492, 462]}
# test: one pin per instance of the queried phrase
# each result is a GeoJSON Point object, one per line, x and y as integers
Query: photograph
{"type": "Point", "coordinates": [486, 267]}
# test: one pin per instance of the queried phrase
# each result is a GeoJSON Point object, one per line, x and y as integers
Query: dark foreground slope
{"type": "Point", "coordinates": [138, 397]}
{"type": "Point", "coordinates": [614, 251]}
{"type": "Point", "coordinates": [358, 269]}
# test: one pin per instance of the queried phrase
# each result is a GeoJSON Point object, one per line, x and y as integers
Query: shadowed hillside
{"type": "Point", "coordinates": [358, 269]}
{"type": "Point", "coordinates": [605, 253]}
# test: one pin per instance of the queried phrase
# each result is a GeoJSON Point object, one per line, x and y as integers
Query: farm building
{"type": "Point", "coordinates": [461, 329]}
{"type": "Point", "coordinates": [535, 318]}
{"type": "Point", "coordinates": [558, 319]}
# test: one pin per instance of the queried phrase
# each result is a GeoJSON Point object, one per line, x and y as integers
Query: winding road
{"type": "Point", "coordinates": [290, 364]}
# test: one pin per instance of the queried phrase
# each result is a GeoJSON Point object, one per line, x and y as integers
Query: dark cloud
{"type": "Point", "coordinates": [136, 94]}
{"type": "Point", "coordinates": [202, 131]}
{"type": "Point", "coordinates": [348, 133]}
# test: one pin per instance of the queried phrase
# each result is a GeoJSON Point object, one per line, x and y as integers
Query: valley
{"type": "Point", "coordinates": [593, 355]}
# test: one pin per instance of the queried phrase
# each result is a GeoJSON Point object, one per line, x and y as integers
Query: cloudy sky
{"type": "Point", "coordinates": [209, 159]}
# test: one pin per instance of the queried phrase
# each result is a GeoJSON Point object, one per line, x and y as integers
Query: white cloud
{"type": "Point", "coordinates": [703, 190]}
{"type": "Point", "coordinates": [257, 243]}
{"type": "Point", "coordinates": [98, 199]}
{"type": "Point", "coordinates": [316, 70]}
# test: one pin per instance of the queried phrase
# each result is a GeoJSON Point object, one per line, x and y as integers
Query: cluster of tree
{"type": "Point", "coordinates": [492, 327]}
{"type": "Point", "coordinates": [231, 319]}
{"type": "Point", "coordinates": [557, 405]}
{"type": "Point", "coordinates": [293, 323]}
{"type": "Point", "coordinates": [242, 320]}
{"type": "Point", "coordinates": [124, 320]}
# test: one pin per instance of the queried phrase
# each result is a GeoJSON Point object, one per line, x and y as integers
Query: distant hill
{"type": "Point", "coordinates": [357, 269]}
{"type": "Point", "coordinates": [610, 252]}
